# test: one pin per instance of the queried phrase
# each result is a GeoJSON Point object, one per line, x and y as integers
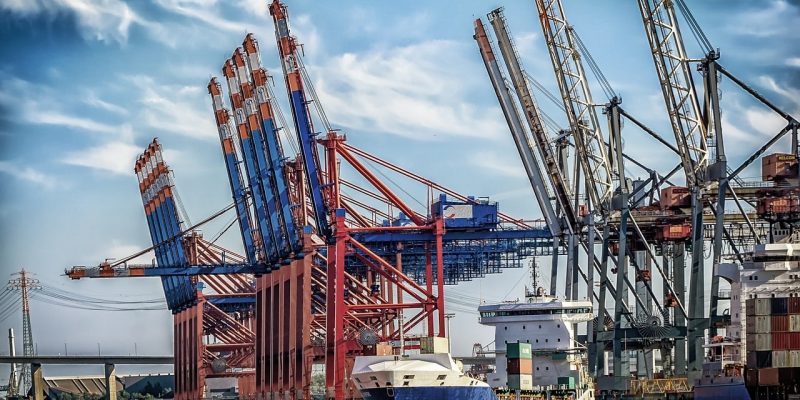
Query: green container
{"type": "Point", "coordinates": [567, 380]}
{"type": "Point", "coordinates": [518, 350]}
{"type": "Point", "coordinates": [559, 356]}
{"type": "Point", "coordinates": [520, 382]}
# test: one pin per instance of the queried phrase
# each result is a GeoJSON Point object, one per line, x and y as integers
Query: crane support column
{"type": "Point", "coordinates": [719, 172]}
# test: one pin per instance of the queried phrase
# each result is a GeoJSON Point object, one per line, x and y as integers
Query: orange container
{"type": "Point", "coordinates": [519, 366]}
{"type": "Point", "coordinates": [780, 323]}
{"type": "Point", "coordinates": [768, 376]}
{"type": "Point", "coordinates": [778, 166]}
{"type": "Point", "coordinates": [675, 232]}
{"type": "Point", "coordinates": [781, 341]}
{"type": "Point", "coordinates": [675, 197]}
{"type": "Point", "coordinates": [778, 205]}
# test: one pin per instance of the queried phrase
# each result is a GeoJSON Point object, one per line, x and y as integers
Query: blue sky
{"type": "Point", "coordinates": [84, 85]}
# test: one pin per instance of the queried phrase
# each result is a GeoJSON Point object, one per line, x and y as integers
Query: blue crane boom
{"type": "Point", "coordinates": [259, 154]}
{"type": "Point", "coordinates": [232, 165]}
{"type": "Point", "coordinates": [266, 231]}
{"type": "Point", "coordinates": [287, 48]}
{"type": "Point", "coordinates": [273, 144]}
{"type": "Point", "coordinates": [156, 186]}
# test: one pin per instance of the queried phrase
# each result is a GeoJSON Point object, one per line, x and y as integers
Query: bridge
{"type": "Point", "coordinates": [110, 362]}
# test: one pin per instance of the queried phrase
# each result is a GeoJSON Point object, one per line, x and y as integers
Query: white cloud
{"type": "Point", "coordinates": [201, 10]}
{"type": "Point", "coordinates": [94, 101]}
{"type": "Point", "coordinates": [494, 162]}
{"type": "Point", "coordinates": [44, 108]}
{"type": "Point", "coordinates": [790, 93]}
{"type": "Point", "coordinates": [409, 91]}
{"type": "Point", "coordinates": [793, 62]}
{"type": "Point", "coordinates": [102, 20]}
{"type": "Point", "coordinates": [184, 110]}
{"type": "Point", "coordinates": [765, 21]}
{"type": "Point", "coordinates": [116, 157]}
{"type": "Point", "coordinates": [118, 250]}
{"type": "Point", "coordinates": [28, 174]}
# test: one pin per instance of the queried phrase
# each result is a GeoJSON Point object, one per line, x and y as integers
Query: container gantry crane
{"type": "Point", "coordinates": [312, 305]}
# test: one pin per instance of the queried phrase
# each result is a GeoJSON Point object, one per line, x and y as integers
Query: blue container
{"type": "Point", "coordinates": [473, 214]}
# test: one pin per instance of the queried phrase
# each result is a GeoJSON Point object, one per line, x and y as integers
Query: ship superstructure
{"type": "Point", "coordinates": [548, 324]}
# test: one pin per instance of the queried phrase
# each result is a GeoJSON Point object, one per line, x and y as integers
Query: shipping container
{"type": "Point", "coordinates": [520, 350]}
{"type": "Point", "coordinates": [778, 166]}
{"type": "Point", "coordinates": [778, 205]}
{"type": "Point", "coordinates": [521, 382]}
{"type": "Point", "coordinates": [778, 323]}
{"type": "Point", "coordinates": [433, 345]}
{"type": "Point", "coordinates": [763, 359]}
{"type": "Point", "coordinates": [794, 323]}
{"type": "Point", "coordinates": [794, 358]}
{"type": "Point", "coordinates": [384, 349]}
{"type": "Point", "coordinates": [674, 232]}
{"type": "Point", "coordinates": [779, 341]}
{"type": "Point", "coordinates": [768, 377]}
{"type": "Point", "coordinates": [764, 341]}
{"type": "Point", "coordinates": [779, 305]}
{"type": "Point", "coordinates": [763, 307]}
{"type": "Point", "coordinates": [794, 341]}
{"type": "Point", "coordinates": [519, 366]}
{"type": "Point", "coordinates": [780, 358]}
{"type": "Point", "coordinates": [761, 324]}
{"type": "Point", "coordinates": [750, 307]}
{"type": "Point", "coordinates": [568, 381]}
{"type": "Point", "coordinates": [675, 197]}
{"type": "Point", "coordinates": [794, 305]}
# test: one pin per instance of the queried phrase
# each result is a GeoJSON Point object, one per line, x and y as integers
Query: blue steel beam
{"type": "Point", "coordinates": [376, 237]}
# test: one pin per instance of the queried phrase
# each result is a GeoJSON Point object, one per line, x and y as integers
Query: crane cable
{"type": "Point", "coordinates": [697, 31]}
{"type": "Point", "coordinates": [598, 73]}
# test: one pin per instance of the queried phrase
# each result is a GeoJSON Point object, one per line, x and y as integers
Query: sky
{"type": "Point", "coordinates": [86, 84]}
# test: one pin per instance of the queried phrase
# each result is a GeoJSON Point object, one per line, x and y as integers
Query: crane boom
{"type": "Point", "coordinates": [589, 141]}
{"type": "Point", "coordinates": [292, 71]}
{"type": "Point", "coordinates": [268, 234]}
{"type": "Point", "coordinates": [274, 151]}
{"type": "Point", "coordinates": [533, 116]}
{"type": "Point", "coordinates": [677, 86]}
{"type": "Point", "coordinates": [222, 116]}
{"type": "Point", "coordinates": [515, 124]}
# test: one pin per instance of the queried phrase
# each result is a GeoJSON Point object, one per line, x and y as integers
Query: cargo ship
{"type": "Point", "coordinates": [544, 324]}
{"type": "Point", "coordinates": [416, 377]}
{"type": "Point", "coordinates": [770, 293]}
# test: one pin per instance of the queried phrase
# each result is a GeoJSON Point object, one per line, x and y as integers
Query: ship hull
{"type": "Point", "coordinates": [430, 393]}
{"type": "Point", "coordinates": [732, 391]}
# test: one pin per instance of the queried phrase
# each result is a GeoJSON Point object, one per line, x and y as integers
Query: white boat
{"type": "Point", "coordinates": [416, 377]}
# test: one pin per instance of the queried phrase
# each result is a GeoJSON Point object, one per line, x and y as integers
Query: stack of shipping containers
{"type": "Point", "coordinates": [773, 344]}
{"type": "Point", "coordinates": [519, 366]}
